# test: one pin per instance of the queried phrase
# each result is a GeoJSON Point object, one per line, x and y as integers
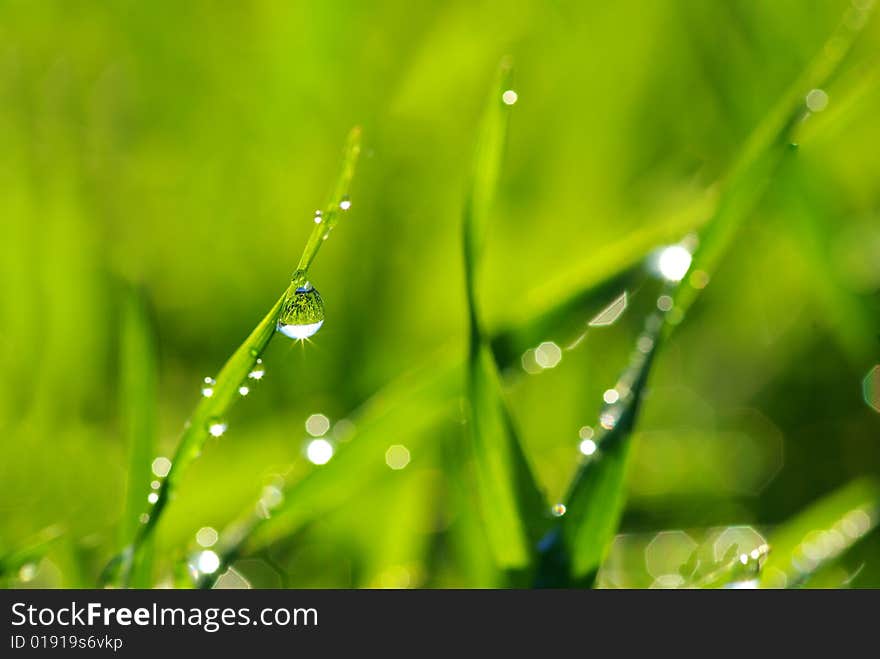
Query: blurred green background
{"type": "Point", "coordinates": [181, 148]}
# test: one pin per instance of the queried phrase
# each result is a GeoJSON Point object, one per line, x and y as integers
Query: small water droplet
{"type": "Point", "coordinates": [302, 313]}
{"type": "Point", "coordinates": [244, 390]}
{"type": "Point", "coordinates": [216, 428]}
{"type": "Point", "coordinates": [319, 451]}
{"type": "Point", "coordinates": [258, 371]}
{"type": "Point", "coordinates": [144, 518]}
{"type": "Point", "coordinates": [611, 396]}
{"type": "Point", "coordinates": [155, 485]}
{"type": "Point", "coordinates": [664, 303]}
{"type": "Point", "coordinates": [558, 510]}
{"type": "Point", "coordinates": [345, 203]}
{"type": "Point", "coordinates": [161, 466]}
{"type": "Point", "coordinates": [317, 217]}
{"type": "Point", "coordinates": [608, 420]}
{"type": "Point", "coordinates": [208, 387]}
{"type": "Point", "coordinates": [207, 536]}
{"type": "Point", "coordinates": [509, 97]}
{"type": "Point", "coordinates": [27, 572]}
{"type": "Point", "coordinates": [587, 447]}
{"type": "Point", "coordinates": [152, 497]}
{"type": "Point", "coordinates": [817, 100]}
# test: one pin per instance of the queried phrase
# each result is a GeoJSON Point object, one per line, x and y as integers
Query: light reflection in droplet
{"type": "Point", "coordinates": [161, 466]}
{"type": "Point", "coordinates": [586, 432]}
{"type": "Point", "coordinates": [673, 262]}
{"type": "Point", "coordinates": [529, 363]}
{"type": "Point", "coordinates": [317, 425]}
{"type": "Point", "coordinates": [207, 562]}
{"type": "Point", "coordinates": [345, 204]}
{"type": "Point", "coordinates": [208, 388]}
{"type": "Point", "coordinates": [152, 497]}
{"type": "Point", "coordinates": [608, 420]}
{"type": "Point", "coordinates": [871, 388]}
{"type": "Point", "coordinates": [610, 314]}
{"type": "Point", "coordinates": [611, 396]}
{"type": "Point", "coordinates": [816, 100]}
{"type": "Point", "coordinates": [244, 390]}
{"type": "Point", "coordinates": [216, 428]}
{"type": "Point", "coordinates": [558, 510]}
{"type": "Point", "coordinates": [548, 355]}
{"type": "Point", "coordinates": [587, 447]}
{"type": "Point", "coordinates": [397, 456]}
{"type": "Point", "coordinates": [509, 97]}
{"type": "Point", "coordinates": [207, 536]}
{"type": "Point", "coordinates": [258, 371]}
{"type": "Point", "coordinates": [319, 451]}
{"type": "Point", "coordinates": [664, 303]}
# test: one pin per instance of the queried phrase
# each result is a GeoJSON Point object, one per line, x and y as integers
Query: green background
{"type": "Point", "coordinates": [182, 148]}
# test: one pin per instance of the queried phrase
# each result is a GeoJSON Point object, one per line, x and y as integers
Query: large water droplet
{"type": "Point", "coordinates": [302, 313]}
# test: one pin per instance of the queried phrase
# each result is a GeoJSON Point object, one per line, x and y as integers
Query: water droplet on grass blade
{"type": "Point", "coordinates": [216, 428]}
{"type": "Point", "coordinates": [302, 313]}
{"type": "Point", "coordinates": [345, 204]}
{"type": "Point", "coordinates": [558, 510]}
{"type": "Point", "coordinates": [208, 387]}
{"type": "Point", "coordinates": [258, 371]}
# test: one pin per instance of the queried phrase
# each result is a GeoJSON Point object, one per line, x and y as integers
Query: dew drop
{"type": "Point", "coordinates": [258, 371]}
{"type": "Point", "coordinates": [587, 447]}
{"type": "Point", "coordinates": [318, 217]}
{"type": "Point", "coordinates": [152, 497]}
{"type": "Point", "coordinates": [509, 97]}
{"type": "Point", "coordinates": [558, 510]}
{"type": "Point", "coordinates": [208, 387]}
{"type": "Point", "coordinates": [345, 203]}
{"type": "Point", "coordinates": [155, 485]}
{"type": "Point", "coordinates": [244, 390]}
{"type": "Point", "coordinates": [216, 428]}
{"type": "Point", "coordinates": [144, 518]}
{"type": "Point", "coordinates": [302, 313]}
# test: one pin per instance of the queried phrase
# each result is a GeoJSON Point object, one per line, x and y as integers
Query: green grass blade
{"type": "Point", "coordinates": [573, 553]}
{"type": "Point", "coordinates": [408, 407]}
{"type": "Point", "coordinates": [508, 495]}
{"type": "Point", "coordinates": [138, 404]}
{"type": "Point", "coordinates": [212, 409]}
{"type": "Point", "coordinates": [30, 553]}
{"type": "Point", "coordinates": [821, 533]}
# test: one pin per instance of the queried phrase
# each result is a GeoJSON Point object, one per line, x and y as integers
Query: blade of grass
{"type": "Point", "coordinates": [31, 552]}
{"type": "Point", "coordinates": [509, 498]}
{"type": "Point", "coordinates": [138, 380]}
{"type": "Point", "coordinates": [406, 408]}
{"type": "Point", "coordinates": [573, 553]}
{"type": "Point", "coordinates": [821, 533]}
{"type": "Point", "coordinates": [211, 409]}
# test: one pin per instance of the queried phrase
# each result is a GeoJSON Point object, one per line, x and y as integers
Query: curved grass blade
{"type": "Point", "coordinates": [406, 408]}
{"type": "Point", "coordinates": [30, 553]}
{"type": "Point", "coordinates": [212, 409]}
{"type": "Point", "coordinates": [511, 503]}
{"type": "Point", "coordinates": [821, 534]}
{"type": "Point", "coordinates": [138, 391]}
{"type": "Point", "coordinates": [572, 554]}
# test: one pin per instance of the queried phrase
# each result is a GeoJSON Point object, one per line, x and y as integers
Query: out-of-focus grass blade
{"type": "Point", "coordinates": [398, 556]}
{"type": "Point", "coordinates": [138, 408]}
{"type": "Point", "coordinates": [510, 501]}
{"type": "Point", "coordinates": [821, 533]}
{"type": "Point", "coordinates": [211, 410]}
{"type": "Point", "coordinates": [30, 553]}
{"type": "Point", "coordinates": [573, 553]}
{"type": "Point", "coordinates": [405, 409]}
